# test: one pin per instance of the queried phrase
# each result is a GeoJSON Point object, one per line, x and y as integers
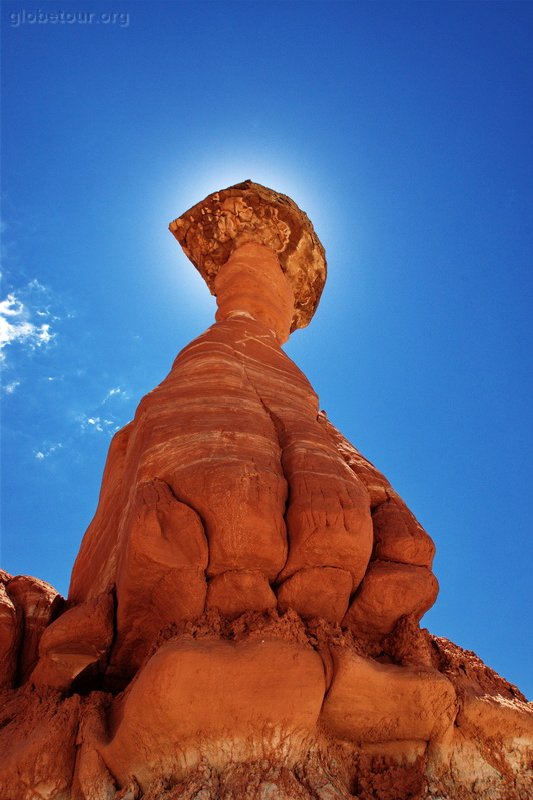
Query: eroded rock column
{"type": "Point", "coordinates": [243, 616]}
{"type": "Point", "coordinates": [229, 490]}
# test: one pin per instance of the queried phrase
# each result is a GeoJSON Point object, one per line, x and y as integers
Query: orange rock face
{"type": "Point", "coordinates": [243, 615]}
{"type": "Point", "coordinates": [248, 481]}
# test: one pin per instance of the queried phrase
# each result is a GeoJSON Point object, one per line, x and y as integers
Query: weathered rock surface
{"type": "Point", "coordinates": [243, 616]}
{"type": "Point", "coordinates": [37, 605]}
{"type": "Point", "coordinates": [317, 592]}
{"type": "Point", "coordinates": [248, 212]}
{"type": "Point", "coordinates": [251, 476]}
{"type": "Point", "coordinates": [389, 591]}
{"type": "Point", "coordinates": [182, 695]}
{"type": "Point", "coordinates": [80, 638]}
{"type": "Point", "coordinates": [10, 631]}
{"type": "Point", "coordinates": [240, 590]}
{"type": "Point", "coordinates": [416, 703]}
{"type": "Point", "coordinates": [489, 752]}
{"type": "Point", "coordinates": [38, 744]}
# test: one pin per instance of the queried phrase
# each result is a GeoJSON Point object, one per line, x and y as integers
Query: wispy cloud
{"type": "Point", "coordinates": [46, 452]}
{"type": "Point", "coordinates": [117, 393]}
{"type": "Point", "coordinates": [98, 424]}
{"type": "Point", "coordinates": [10, 388]}
{"type": "Point", "coordinates": [103, 419]}
{"type": "Point", "coordinates": [15, 325]}
{"type": "Point", "coordinates": [99, 421]}
{"type": "Point", "coordinates": [26, 318]}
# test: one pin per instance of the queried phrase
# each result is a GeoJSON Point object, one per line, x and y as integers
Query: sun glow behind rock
{"type": "Point", "coordinates": [204, 175]}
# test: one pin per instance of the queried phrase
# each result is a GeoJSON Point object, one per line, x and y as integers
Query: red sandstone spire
{"type": "Point", "coordinates": [243, 615]}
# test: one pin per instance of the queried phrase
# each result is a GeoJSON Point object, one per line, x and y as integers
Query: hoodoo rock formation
{"type": "Point", "coordinates": [243, 616]}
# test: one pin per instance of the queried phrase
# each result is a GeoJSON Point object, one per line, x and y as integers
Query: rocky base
{"type": "Point", "coordinates": [272, 706]}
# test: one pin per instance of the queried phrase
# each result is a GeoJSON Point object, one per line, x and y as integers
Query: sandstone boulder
{"type": "Point", "coordinates": [398, 536]}
{"type": "Point", "coordinates": [388, 592]}
{"type": "Point", "coordinates": [238, 591]}
{"type": "Point", "coordinates": [373, 702]}
{"type": "Point", "coordinates": [10, 631]}
{"type": "Point", "coordinates": [212, 689]}
{"type": "Point", "coordinates": [40, 604]}
{"type": "Point", "coordinates": [161, 571]}
{"type": "Point", "coordinates": [317, 592]}
{"type": "Point", "coordinates": [80, 638]}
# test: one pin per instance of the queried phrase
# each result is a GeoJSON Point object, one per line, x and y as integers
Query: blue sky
{"type": "Point", "coordinates": [404, 130]}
